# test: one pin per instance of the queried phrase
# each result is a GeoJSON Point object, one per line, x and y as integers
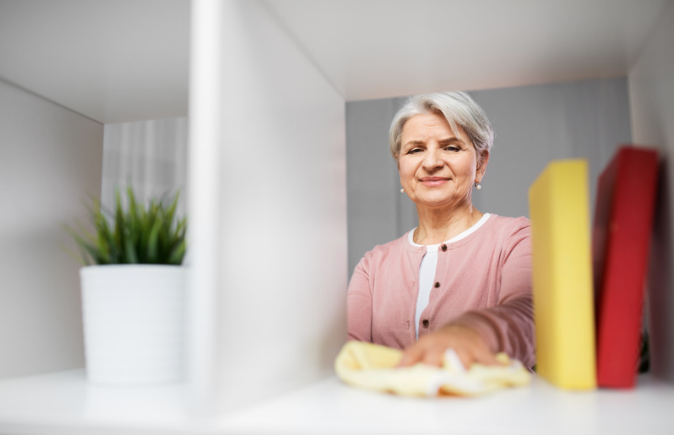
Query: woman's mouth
{"type": "Point", "coordinates": [433, 181]}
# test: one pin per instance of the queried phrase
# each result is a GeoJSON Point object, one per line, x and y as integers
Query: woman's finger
{"type": "Point", "coordinates": [433, 357]}
{"type": "Point", "coordinates": [411, 356]}
{"type": "Point", "coordinates": [483, 356]}
{"type": "Point", "coordinates": [431, 348]}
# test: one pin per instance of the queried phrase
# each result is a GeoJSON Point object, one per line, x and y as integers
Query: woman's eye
{"type": "Point", "coordinates": [453, 148]}
{"type": "Point", "coordinates": [414, 151]}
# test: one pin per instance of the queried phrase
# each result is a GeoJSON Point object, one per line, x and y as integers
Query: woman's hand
{"type": "Point", "coordinates": [431, 347]}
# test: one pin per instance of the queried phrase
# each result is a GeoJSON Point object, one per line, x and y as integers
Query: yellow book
{"type": "Point", "coordinates": [562, 276]}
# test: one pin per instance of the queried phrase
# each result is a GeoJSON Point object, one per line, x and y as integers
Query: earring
{"type": "Point", "coordinates": [478, 185]}
{"type": "Point", "coordinates": [402, 190]}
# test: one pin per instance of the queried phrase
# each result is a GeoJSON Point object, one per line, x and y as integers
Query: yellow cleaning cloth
{"type": "Point", "coordinates": [373, 367]}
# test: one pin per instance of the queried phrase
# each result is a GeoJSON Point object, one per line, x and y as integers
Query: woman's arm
{"type": "Point", "coordinates": [507, 327]}
{"type": "Point", "coordinates": [359, 304]}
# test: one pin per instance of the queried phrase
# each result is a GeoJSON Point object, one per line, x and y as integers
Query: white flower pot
{"type": "Point", "coordinates": [134, 323]}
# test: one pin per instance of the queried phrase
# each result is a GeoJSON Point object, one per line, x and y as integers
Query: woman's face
{"type": "Point", "coordinates": [437, 167]}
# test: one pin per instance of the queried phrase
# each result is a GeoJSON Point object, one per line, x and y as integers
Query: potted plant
{"type": "Point", "coordinates": [133, 292]}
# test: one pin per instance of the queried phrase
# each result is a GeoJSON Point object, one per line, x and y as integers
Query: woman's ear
{"type": "Point", "coordinates": [482, 164]}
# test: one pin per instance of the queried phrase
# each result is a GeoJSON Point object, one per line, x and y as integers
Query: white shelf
{"type": "Point", "coordinates": [63, 403]}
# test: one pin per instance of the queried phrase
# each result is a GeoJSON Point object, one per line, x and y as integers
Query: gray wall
{"type": "Point", "coordinates": [533, 125]}
{"type": "Point", "coordinates": [50, 159]}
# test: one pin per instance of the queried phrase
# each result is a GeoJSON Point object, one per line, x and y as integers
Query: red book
{"type": "Point", "coordinates": [620, 244]}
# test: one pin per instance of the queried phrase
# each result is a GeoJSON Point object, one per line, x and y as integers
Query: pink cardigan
{"type": "Point", "coordinates": [483, 281]}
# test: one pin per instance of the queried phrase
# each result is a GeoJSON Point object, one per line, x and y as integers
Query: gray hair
{"type": "Point", "coordinates": [458, 108]}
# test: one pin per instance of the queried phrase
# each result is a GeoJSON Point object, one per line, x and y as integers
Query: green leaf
{"type": "Point", "coordinates": [119, 235]}
{"type": "Point", "coordinates": [143, 233]}
{"type": "Point", "coordinates": [152, 245]}
{"type": "Point", "coordinates": [177, 253]}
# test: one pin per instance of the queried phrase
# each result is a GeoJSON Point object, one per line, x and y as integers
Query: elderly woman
{"type": "Point", "coordinates": [462, 278]}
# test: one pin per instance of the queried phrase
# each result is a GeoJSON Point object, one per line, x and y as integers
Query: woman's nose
{"type": "Point", "coordinates": [432, 159]}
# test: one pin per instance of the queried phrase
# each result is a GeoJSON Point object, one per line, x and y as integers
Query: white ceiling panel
{"type": "Point", "coordinates": [126, 60]}
{"type": "Point", "coordinates": [383, 48]}
{"type": "Point", "coordinates": [111, 60]}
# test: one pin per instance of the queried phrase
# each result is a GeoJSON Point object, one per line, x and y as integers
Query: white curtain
{"type": "Point", "coordinates": [151, 156]}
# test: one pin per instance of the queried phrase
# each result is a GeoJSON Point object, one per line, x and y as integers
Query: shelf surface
{"type": "Point", "coordinates": [63, 403]}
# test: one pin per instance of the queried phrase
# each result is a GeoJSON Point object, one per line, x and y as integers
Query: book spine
{"type": "Point", "coordinates": [562, 276]}
{"type": "Point", "coordinates": [630, 183]}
